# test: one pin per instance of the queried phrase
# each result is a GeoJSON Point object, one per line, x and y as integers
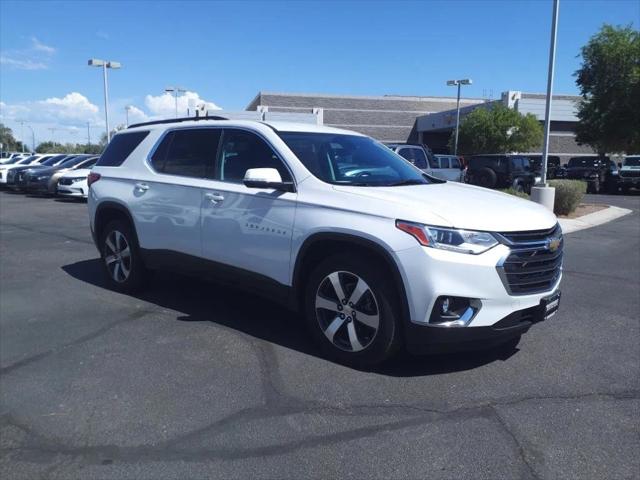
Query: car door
{"type": "Point", "coordinates": [441, 168]}
{"type": "Point", "coordinates": [455, 172]}
{"type": "Point", "coordinates": [249, 229]}
{"type": "Point", "coordinates": [166, 203]}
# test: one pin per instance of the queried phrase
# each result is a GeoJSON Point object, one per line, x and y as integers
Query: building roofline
{"type": "Point", "coordinates": [369, 97]}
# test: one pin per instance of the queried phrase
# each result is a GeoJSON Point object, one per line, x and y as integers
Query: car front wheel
{"type": "Point", "coordinates": [350, 310]}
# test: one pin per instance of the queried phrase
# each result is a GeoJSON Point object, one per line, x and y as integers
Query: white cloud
{"type": "Point", "coordinates": [22, 64]}
{"type": "Point", "coordinates": [38, 46]}
{"type": "Point", "coordinates": [165, 105]}
{"type": "Point", "coordinates": [36, 57]}
{"type": "Point", "coordinates": [136, 115]}
{"type": "Point", "coordinates": [67, 115]}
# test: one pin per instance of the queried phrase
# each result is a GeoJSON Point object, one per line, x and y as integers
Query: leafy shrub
{"type": "Point", "coordinates": [569, 194]}
{"type": "Point", "coordinates": [513, 191]}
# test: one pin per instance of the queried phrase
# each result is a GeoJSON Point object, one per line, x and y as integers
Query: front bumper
{"type": "Point", "coordinates": [430, 273]}
{"type": "Point", "coordinates": [432, 339]}
{"type": "Point", "coordinates": [629, 180]}
{"type": "Point", "coordinates": [71, 191]}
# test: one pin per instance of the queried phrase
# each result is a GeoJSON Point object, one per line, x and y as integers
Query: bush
{"type": "Point", "coordinates": [513, 191]}
{"type": "Point", "coordinates": [569, 194]}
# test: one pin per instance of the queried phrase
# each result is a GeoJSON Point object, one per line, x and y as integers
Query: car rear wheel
{"type": "Point", "coordinates": [350, 311]}
{"type": "Point", "coordinates": [486, 178]}
{"type": "Point", "coordinates": [121, 258]}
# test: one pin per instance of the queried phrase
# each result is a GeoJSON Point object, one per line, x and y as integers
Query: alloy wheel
{"type": "Point", "coordinates": [347, 311]}
{"type": "Point", "coordinates": [117, 256]}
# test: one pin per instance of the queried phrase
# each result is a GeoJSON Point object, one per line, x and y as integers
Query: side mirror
{"type": "Point", "coordinates": [266, 178]}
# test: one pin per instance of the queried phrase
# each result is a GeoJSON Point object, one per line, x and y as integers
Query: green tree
{"type": "Point", "coordinates": [8, 141]}
{"type": "Point", "coordinates": [496, 128]}
{"type": "Point", "coordinates": [609, 82]}
{"type": "Point", "coordinates": [50, 147]}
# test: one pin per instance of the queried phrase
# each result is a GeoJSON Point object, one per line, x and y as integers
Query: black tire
{"type": "Point", "coordinates": [380, 297]}
{"type": "Point", "coordinates": [485, 177]}
{"type": "Point", "coordinates": [132, 263]}
{"type": "Point", "coordinates": [518, 186]}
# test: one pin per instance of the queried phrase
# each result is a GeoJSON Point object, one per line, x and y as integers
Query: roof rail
{"type": "Point", "coordinates": [175, 120]}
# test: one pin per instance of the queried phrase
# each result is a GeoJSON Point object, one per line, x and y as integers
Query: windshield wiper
{"type": "Point", "coordinates": [411, 181]}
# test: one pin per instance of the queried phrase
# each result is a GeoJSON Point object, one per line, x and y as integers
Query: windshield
{"type": "Point", "coordinates": [87, 163]}
{"type": "Point", "coordinates": [70, 162]}
{"type": "Point", "coordinates": [49, 161]}
{"type": "Point", "coordinates": [352, 160]}
{"type": "Point", "coordinates": [582, 162]}
{"type": "Point", "coordinates": [632, 162]}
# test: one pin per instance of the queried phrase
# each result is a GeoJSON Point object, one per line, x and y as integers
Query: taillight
{"type": "Point", "coordinates": [92, 178]}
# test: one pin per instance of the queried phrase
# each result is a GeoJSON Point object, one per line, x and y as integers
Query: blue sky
{"type": "Point", "coordinates": [225, 52]}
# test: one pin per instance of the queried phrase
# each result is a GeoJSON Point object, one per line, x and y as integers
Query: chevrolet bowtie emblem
{"type": "Point", "coordinates": [553, 244]}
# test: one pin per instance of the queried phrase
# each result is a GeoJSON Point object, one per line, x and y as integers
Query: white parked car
{"type": "Point", "coordinates": [74, 183]}
{"type": "Point", "coordinates": [448, 167]}
{"type": "Point", "coordinates": [427, 162]}
{"type": "Point", "coordinates": [371, 251]}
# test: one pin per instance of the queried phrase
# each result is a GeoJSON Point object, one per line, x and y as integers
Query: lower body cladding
{"type": "Point", "coordinates": [459, 301]}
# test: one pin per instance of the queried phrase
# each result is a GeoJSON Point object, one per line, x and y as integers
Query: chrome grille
{"type": "Point", "coordinates": [533, 265]}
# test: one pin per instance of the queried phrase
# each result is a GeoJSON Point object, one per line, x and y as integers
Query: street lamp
{"type": "Point", "coordinates": [176, 91]}
{"type": "Point", "coordinates": [458, 83]}
{"type": "Point", "coordinates": [33, 138]}
{"type": "Point", "coordinates": [126, 110]}
{"type": "Point", "coordinates": [94, 62]}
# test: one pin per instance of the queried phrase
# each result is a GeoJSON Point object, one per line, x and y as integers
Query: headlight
{"type": "Point", "coordinates": [78, 179]}
{"type": "Point", "coordinates": [456, 240]}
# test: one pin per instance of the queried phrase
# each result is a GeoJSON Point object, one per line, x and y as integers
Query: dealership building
{"type": "Point", "coordinates": [421, 119]}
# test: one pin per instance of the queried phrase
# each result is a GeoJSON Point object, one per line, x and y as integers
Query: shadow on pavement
{"type": "Point", "coordinates": [201, 301]}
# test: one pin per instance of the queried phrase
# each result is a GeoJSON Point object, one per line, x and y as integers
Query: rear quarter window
{"type": "Point", "coordinates": [120, 148]}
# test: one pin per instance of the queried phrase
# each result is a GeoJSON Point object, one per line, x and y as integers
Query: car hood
{"type": "Point", "coordinates": [454, 204]}
{"type": "Point", "coordinates": [79, 172]}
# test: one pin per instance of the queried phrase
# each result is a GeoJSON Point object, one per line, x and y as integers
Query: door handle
{"type": "Point", "coordinates": [214, 197]}
{"type": "Point", "coordinates": [143, 187]}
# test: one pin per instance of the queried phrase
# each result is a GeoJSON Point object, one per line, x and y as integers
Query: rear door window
{"type": "Point", "coordinates": [187, 153]}
{"type": "Point", "coordinates": [120, 148]}
{"type": "Point", "coordinates": [455, 162]}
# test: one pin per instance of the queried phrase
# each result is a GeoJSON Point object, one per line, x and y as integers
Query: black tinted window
{"type": "Point", "coordinates": [415, 156]}
{"type": "Point", "coordinates": [188, 152]}
{"type": "Point", "coordinates": [120, 148]}
{"type": "Point", "coordinates": [242, 150]}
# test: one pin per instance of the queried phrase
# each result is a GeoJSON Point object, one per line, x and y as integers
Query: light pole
{"type": "Point", "coordinates": [53, 134]}
{"type": "Point", "coordinates": [126, 110]}
{"type": "Point", "coordinates": [94, 62]}
{"type": "Point", "coordinates": [88, 134]}
{"type": "Point", "coordinates": [458, 83]}
{"type": "Point", "coordinates": [542, 193]}
{"type": "Point", "coordinates": [22, 134]}
{"type": "Point", "coordinates": [33, 139]}
{"type": "Point", "coordinates": [176, 91]}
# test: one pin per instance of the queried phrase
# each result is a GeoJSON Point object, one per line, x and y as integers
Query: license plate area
{"type": "Point", "coordinates": [549, 306]}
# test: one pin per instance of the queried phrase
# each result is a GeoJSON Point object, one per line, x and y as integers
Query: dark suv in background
{"type": "Point", "coordinates": [600, 173]}
{"type": "Point", "coordinates": [553, 165]}
{"type": "Point", "coordinates": [501, 171]}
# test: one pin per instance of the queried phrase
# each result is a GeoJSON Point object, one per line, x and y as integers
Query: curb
{"type": "Point", "coordinates": [570, 225]}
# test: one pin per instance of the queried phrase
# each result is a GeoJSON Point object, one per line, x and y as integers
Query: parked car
{"type": "Point", "coordinates": [74, 183]}
{"type": "Point", "coordinates": [8, 172]}
{"type": "Point", "coordinates": [553, 165]}
{"type": "Point", "coordinates": [448, 167]}
{"type": "Point", "coordinates": [8, 165]}
{"type": "Point", "coordinates": [599, 172]}
{"type": "Point", "coordinates": [331, 223]}
{"type": "Point", "coordinates": [630, 173]}
{"type": "Point", "coordinates": [426, 161]}
{"type": "Point", "coordinates": [501, 171]}
{"type": "Point", "coordinates": [86, 163]}
{"type": "Point", "coordinates": [17, 178]}
{"type": "Point", "coordinates": [37, 180]}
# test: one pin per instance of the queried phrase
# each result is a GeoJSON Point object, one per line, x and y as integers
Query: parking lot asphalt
{"type": "Point", "coordinates": [193, 380]}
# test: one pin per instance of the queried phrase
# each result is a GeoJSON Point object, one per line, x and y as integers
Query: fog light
{"type": "Point", "coordinates": [454, 311]}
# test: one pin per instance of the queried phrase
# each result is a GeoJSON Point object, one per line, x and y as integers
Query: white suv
{"type": "Point", "coordinates": [373, 252]}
